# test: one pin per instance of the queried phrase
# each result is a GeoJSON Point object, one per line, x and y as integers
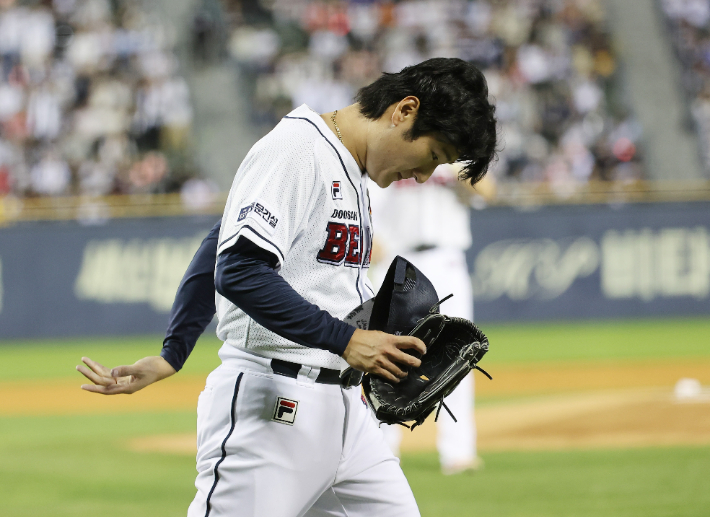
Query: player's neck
{"type": "Point", "coordinates": [353, 129]}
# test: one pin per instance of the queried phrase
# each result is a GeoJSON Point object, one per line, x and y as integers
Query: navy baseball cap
{"type": "Point", "coordinates": [406, 296]}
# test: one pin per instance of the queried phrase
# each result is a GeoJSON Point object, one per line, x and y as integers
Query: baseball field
{"type": "Point", "coordinates": [581, 419]}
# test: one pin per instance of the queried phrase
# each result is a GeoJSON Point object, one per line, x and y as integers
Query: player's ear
{"type": "Point", "coordinates": [405, 109]}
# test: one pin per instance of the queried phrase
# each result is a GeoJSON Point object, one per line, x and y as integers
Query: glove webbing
{"type": "Point", "coordinates": [435, 308]}
{"type": "Point", "coordinates": [484, 372]}
{"type": "Point", "coordinates": [443, 404]}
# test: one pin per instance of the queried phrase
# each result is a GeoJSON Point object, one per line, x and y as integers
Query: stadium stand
{"type": "Point", "coordinates": [94, 105]}
{"type": "Point", "coordinates": [550, 66]}
{"type": "Point", "coordinates": [688, 22]}
{"type": "Point", "coordinates": [91, 100]}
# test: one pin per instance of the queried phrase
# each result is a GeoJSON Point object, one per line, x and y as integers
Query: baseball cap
{"type": "Point", "coordinates": [406, 296]}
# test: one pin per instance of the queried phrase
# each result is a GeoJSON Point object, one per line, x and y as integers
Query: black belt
{"type": "Point", "coordinates": [288, 369]}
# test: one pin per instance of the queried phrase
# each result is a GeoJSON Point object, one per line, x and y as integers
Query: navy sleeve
{"type": "Point", "coordinates": [246, 276]}
{"type": "Point", "coordinates": [194, 306]}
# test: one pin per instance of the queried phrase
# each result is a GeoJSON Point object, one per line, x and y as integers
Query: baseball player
{"type": "Point", "coordinates": [429, 226]}
{"type": "Point", "coordinates": [280, 432]}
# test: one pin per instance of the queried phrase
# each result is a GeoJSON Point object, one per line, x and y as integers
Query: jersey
{"type": "Point", "coordinates": [300, 195]}
{"type": "Point", "coordinates": [422, 215]}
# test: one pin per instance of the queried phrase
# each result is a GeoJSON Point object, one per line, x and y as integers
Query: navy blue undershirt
{"type": "Point", "coordinates": [194, 305]}
{"type": "Point", "coordinates": [245, 275]}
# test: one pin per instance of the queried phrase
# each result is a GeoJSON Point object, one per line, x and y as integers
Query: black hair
{"type": "Point", "coordinates": [453, 107]}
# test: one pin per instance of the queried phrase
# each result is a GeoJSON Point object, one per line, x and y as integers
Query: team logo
{"type": "Point", "coordinates": [244, 212]}
{"type": "Point", "coordinates": [335, 189]}
{"type": "Point", "coordinates": [285, 411]}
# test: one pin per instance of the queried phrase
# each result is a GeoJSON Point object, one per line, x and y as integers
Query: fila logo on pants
{"type": "Point", "coordinates": [285, 411]}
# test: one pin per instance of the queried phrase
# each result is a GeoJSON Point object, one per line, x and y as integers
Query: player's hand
{"type": "Point", "coordinates": [383, 354]}
{"type": "Point", "coordinates": [124, 379]}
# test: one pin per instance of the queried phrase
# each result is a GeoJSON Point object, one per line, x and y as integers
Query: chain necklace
{"type": "Point", "coordinates": [337, 129]}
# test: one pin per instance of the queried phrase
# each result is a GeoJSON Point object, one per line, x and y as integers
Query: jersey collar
{"type": "Point", "coordinates": [304, 111]}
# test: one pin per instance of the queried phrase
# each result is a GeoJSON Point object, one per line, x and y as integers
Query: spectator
{"type": "Point", "coordinates": [50, 176]}
{"type": "Point", "coordinates": [550, 66]}
{"type": "Point", "coordinates": [689, 25]}
{"type": "Point", "coordinates": [91, 101]}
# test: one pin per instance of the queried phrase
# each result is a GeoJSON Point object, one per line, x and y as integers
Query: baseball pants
{"type": "Point", "coordinates": [275, 446]}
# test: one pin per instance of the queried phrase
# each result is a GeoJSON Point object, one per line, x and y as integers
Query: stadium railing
{"type": "Point", "coordinates": [97, 209]}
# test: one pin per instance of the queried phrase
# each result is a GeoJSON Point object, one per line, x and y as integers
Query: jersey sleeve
{"type": "Point", "coordinates": [272, 195]}
{"type": "Point", "coordinates": [246, 277]}
{"type": "Point", "coordinates": [194, 305]}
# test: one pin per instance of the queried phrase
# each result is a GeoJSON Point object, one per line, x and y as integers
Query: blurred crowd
{"type": "Point", "coordinates": [550, 66]}
{"type": "Point", "coordinates": [689, 25]}
{"type": "Point", "coordinates": [91, 100]}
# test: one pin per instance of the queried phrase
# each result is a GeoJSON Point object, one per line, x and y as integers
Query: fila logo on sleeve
{"type": "Point", "coordinates": [336, 190]}
{"type": "Point", "coordinates": [285, 411]}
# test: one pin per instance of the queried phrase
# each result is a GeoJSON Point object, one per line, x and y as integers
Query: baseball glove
{"type": "Point", "coordinates": [454, 348]}
{"type": "Point", "coordinates": [407, 304]}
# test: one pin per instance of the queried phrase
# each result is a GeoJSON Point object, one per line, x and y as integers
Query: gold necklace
{"type": "Point", "coordinates": [337, 129]}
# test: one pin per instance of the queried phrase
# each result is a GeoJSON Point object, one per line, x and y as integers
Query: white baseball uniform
{"type": "Point", "coordinates": [272, 445]}
{"type": "Point", "coordinates": [429, 226]}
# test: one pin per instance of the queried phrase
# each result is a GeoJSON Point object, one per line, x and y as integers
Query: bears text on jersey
{"type": "Point", "coordinates": [344, 245]}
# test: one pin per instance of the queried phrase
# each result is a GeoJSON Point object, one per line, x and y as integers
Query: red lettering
{"type": "Point", "coordinates": [336, 244]}
{"type": "Point", "coordinates": [353, 256]}
{"type": "Point", "coordinates": [367, 246]}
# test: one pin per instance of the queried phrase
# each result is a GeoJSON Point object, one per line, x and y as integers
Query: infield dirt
{"type": "Point", "coordinates": [540, 406]}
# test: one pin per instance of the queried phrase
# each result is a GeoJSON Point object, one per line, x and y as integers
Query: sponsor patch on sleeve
{"type": "Point", "coordinates": [257, 211]}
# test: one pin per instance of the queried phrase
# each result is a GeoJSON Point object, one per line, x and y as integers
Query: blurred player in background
{"type": "Point", "coordinates": [429, 225]}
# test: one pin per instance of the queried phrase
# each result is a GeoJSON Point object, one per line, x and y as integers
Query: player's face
{"type": "Point", "coordinates": [400, 159]}
{"type": "Point", "coordinates": [391, 156]}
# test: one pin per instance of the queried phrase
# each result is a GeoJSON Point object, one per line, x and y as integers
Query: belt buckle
{"type": "Point", "coordinates": [350, 377]}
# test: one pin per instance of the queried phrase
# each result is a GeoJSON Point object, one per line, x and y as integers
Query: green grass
{"type": "Point", "coordinates": [79, 465]}
{"type": "Point", "coordinates": [581, 341]}
{"type": "Point", "coordinates": [599, 340]}
{"type": "Point", "coordinates": [53, 359]}
{"type": "Point", "coordinates": [654, 482]}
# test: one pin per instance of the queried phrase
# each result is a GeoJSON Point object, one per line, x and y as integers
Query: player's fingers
{"type": "Point", "coordinates": [97, 367]}
{"type": "Point", "coordinates": [411, 342]}
{"type": "Point", "coordinates": [123, 371]}
{"type": "Point", "coordinates": [94, 377]}
{"type": "Point", "coordinates": [406, 359]}
{"type": "Point", "coordinates": [122, 386]}
{"type": "Point", "coordinates": [381, 372]}
{"type": "Point", "coordinates": [112, 389]}
{"type": "Point", "coordinates": [393, 369]}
